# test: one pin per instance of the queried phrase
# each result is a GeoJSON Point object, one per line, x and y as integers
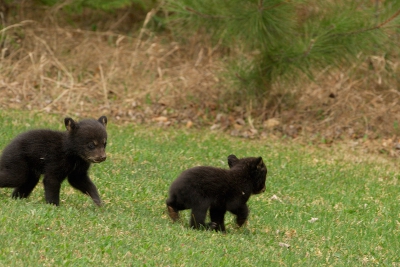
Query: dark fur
{"type": "Point", "coordinates": [219, 190]}
{"type": "Point", "coordinates": [56, 155]}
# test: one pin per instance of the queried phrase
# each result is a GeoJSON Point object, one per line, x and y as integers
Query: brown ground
{"type": "Point", "coordinates": [153, 79]}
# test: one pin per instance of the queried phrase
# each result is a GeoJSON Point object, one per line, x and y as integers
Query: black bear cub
{"type": "Point", "coordinates": [206, 188]}
{"type": "Point", "coordinates": [57, 155]}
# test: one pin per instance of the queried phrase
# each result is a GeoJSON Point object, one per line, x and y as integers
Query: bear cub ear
{"type": "Point", "coordinates": [260, 163]}
{"type": "Point", "coordinates": [103, 120]}
{"type": "Point", "coordinates": [232, 159]}
{"type": "Point", "coordinates": [69, 124]}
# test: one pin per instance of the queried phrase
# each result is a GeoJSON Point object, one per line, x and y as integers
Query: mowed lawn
{"type": "Point", "coordinates": [322, 207]}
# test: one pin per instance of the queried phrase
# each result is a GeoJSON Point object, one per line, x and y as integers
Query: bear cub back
{"type": "Point", "coordinates": [57, 155]}
{"type": "Point", "coordinates": [218, 190]}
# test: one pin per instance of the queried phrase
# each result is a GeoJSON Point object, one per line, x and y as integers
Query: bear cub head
{"type": "Point", "coordinates": [88, 138]}
{"type": "Point", "coordinates": [257, 171]}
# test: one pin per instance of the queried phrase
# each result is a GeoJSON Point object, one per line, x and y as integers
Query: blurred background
{"type": "Point", "coordinates": [316, 71]}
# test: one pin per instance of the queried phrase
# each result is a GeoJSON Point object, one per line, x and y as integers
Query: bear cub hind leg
{"type": "Point", "coordinates": [25, 189]}
{"type": "Point", "coordinates": [198, 217]}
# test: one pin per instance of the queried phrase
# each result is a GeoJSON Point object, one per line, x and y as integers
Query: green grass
{"type": "Point", "coordinates": [356, 203]}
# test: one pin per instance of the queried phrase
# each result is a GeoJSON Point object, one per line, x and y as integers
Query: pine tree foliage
{"type": "Point", "coordinates": [288, 37]}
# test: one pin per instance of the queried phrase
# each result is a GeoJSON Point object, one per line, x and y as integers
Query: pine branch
{"type": "Point", "coordinates": [389, 19]}
{"type": "Point", "coordinates": [372, 28]}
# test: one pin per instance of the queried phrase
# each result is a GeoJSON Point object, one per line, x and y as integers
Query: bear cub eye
{"type": "Point", "coordinates": [91, 145]}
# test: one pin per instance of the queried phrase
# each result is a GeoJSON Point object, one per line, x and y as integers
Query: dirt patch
{"type": "Point", "coordinates": [150, 78]}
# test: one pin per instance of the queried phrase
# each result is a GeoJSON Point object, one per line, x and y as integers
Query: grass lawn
{"type": "Point", "coordinates": [321, 207]}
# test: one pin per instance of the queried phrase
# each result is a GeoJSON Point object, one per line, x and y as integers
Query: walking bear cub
{"type": "Point", "coordinates": [206, 188]}
{"type": "Point", "coordinates": [57, 155]}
